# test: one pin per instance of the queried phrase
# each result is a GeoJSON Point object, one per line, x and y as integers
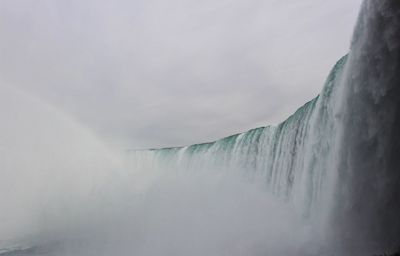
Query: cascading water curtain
{"type": "Point", "coordinates": [336, 159]}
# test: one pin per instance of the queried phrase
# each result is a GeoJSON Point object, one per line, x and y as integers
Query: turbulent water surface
{"type": "Point", "coordinates": [323, 182]}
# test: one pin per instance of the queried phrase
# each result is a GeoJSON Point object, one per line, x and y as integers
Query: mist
{"type": "Point", "coordinates": [97, 99]}
{"type": "Point", "coordinates": [63, 192]}
{"type": "Point", "coordinates": [50, 165]}
{"type": "Point", "coordinates": [185, 215]}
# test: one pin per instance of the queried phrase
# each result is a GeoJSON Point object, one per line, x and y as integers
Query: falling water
{"type": "Point", "coordinates": [325, 181]}
{"type": "Point", "coordinates": [292, 158]}
{"type": "Point", "coordinates": [336, 158]}
{"type": "Point", "coordinates": [367, 198]}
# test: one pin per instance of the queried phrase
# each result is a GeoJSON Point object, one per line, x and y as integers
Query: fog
{"type": "Point", "coordinates": [49, 163]}
{"type": "Point", "coordinates": [63, 192]}
{"type": "Point", "coordinates": [82, 81]}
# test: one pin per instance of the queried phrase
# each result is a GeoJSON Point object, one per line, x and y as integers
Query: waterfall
{"type": "Point", "coordinates": [336, 158]}
{"type": "Point", "coordinates": [326, 181]}
{"type": "Point", "coordinates": [291, 158]}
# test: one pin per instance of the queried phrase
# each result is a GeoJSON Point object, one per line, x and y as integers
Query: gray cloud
{"type": "Point", "coordinates": [163, 73]}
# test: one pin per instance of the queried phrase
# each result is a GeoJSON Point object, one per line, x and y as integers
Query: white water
{"type": "Point", "coordinates": [290, 164]}
{"type": "Point", "coordinates": [290, 159]}
{"type": "Point", "coordinates": [322, 182]}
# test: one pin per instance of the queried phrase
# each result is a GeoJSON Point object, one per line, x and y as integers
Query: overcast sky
{"type": "Point", "coordinates": [154, 73]}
